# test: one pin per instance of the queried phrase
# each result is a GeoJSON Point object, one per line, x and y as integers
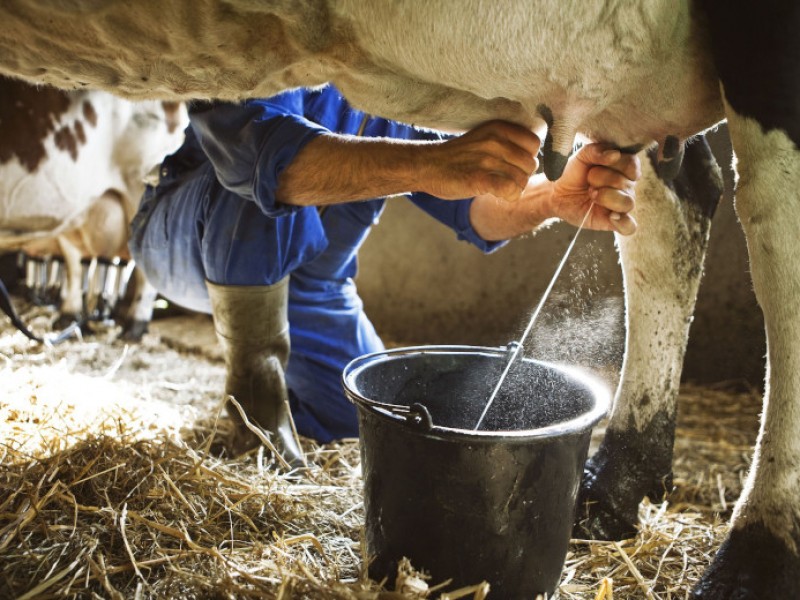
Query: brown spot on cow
{"type": "Point", "coordinates": [89, 113]}
{"type": "Point", "coordinates": [65, 140]}
{"type": "Point", "coordinates": [172, 115]}
{"type": "Point", "coordinates": [28, 114]}
{"type": "Point", "coordinates": [80, 133]}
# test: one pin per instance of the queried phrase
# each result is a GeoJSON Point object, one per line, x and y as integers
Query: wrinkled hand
{"type": "Point", "coordinates": [495, 158]}
{"type": "Point", "coordinates": [603, 175]}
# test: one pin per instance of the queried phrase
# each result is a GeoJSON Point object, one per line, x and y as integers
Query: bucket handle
{"type": "Point", "coordinates": [416, 414]}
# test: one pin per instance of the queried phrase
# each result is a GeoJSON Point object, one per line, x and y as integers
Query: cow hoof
{"type": "Point", "coordinates": [133, 331]}
{"type": "Point", "coordinates": [599, 516]}
{"type": "Point", "coordinates": [752, 564]}
{"type": "Point", "coordinates": [65, 320]}
{"type": "Point", "coordinates": [598, 522]}
{"type": "Point", "coordinates": [629, 465]}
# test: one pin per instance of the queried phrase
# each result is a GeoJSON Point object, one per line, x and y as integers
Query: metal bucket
{"type": "Point", "coordinates": [495, 504]}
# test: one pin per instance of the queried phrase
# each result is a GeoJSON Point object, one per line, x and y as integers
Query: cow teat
{"type": "Point", "coordinates": [670, 158]}
{"type": "Point", "coordinates": [553, 163]}
{"type": "Point", "coordinates": [558, 144]}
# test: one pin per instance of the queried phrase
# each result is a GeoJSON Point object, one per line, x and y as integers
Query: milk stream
{"type": "Point", "coordinates": [521, 342]}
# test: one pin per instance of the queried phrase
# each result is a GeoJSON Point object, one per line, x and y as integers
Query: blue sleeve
{"type": "Point", "coordinates": [429, 135]}
{"type": "Point", "coordinates": [455, 215]}
{"type": "Point", "coordinates": [250, 145]}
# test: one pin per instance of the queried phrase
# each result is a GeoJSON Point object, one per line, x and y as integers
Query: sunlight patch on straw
{"type": "Point", "coordinates": [47, 408]}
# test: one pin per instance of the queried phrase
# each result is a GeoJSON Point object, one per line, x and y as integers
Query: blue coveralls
{"type": "Point", "coordinates": [214, 216]}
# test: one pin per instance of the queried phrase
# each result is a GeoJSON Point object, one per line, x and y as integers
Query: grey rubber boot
{"type": "Point", "coordinates": [253, 327]}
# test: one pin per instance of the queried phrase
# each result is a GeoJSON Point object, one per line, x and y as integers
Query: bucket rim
{"type": "Point", "coordinates": [599, 390]}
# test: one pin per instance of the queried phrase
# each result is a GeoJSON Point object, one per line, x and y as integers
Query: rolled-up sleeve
{"type": "Point", "coordinates": [455, 215]}
{"type": "Point", "coordinates": [251, 144]}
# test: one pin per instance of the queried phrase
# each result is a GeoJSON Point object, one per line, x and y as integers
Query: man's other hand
{"type": "Point", "coordinates": [495, 158]}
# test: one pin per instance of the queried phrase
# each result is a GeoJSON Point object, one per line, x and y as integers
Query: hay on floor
{"type": "Point", "coordinates": [110, 487]}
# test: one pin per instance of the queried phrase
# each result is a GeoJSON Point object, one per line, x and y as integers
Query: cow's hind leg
{"type": "Point", "coordinates": [135, 309]}
{"type": "Point", "coordinates": [662, 265]}
{"type": "Point", "coordinates": [756, 53]}
{"type": "Point", "coordinates": [71, 310]}
{"type": "Point", "coordinates": [759, 558]}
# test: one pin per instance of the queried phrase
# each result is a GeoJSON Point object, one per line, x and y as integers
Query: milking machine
{"type": "Point", "coordinates": [103, 282]}
{"type": "Point", "coordinates": [42, 278]}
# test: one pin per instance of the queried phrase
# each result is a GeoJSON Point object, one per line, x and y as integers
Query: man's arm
{"type": "Point", "coordinates": [597, 176]}
{"type": "Point", "coordinates": [495, 158]}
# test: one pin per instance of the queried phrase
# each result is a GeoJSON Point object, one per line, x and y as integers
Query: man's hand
{"type": "Point", "coordinates": [601, 175]}
{"type": "Point", "coordinates": [597, 176]}
{"type": "Point", "coordinates": [495, 158]}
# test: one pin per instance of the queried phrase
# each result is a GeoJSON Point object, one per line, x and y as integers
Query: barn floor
{"type": "Point", "coordinates": [112, 485]}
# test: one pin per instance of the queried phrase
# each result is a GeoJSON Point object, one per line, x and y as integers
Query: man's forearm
{"type": "Point", "coordinates": [494, 158]}
{"type": "Point", "coordinates": [494, 219]}
{"type": "Point", "coordinates": [338, 168]}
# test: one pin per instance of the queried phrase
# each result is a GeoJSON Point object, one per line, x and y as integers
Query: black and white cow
{"type": "Point", "coordinates": [643, 74]}
{"type": "Point", "coordinates": [72, 166]}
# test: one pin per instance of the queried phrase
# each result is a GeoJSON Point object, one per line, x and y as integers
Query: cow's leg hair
{"type": "Point", "coordinates": [135, 310]}
{"type": "Point", "coordinates": [759, 558]}
{"type": "Point", "coordinates": [662, 265]}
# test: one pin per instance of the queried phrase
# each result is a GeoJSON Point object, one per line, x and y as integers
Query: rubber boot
{"type": "Point", "coordinates": [252, 325]}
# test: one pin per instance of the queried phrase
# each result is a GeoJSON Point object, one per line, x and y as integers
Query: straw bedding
{"type": "Point", "coordinates": [114, 484]}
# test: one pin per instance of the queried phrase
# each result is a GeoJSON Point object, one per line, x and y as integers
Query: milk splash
{"type": "Point", "coordinates": [521, 342]}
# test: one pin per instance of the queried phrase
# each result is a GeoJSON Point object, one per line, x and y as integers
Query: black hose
{"type": "Point", "coordinates": [8, 308]}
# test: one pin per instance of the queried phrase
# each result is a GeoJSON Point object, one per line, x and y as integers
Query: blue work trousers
{"type": "Point", "coordinates": [190, 229]}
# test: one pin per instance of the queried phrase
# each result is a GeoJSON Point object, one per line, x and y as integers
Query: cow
{"type": "Point", "coordinates": [72, 169]}
{"type": "Point", "coordinates": [646, 75]}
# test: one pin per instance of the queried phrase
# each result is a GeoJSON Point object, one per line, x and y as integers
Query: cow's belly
{"type": "Point", "coordinates": [624, 70]}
